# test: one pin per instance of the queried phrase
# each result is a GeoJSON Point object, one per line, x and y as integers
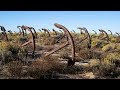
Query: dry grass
{"type": "Point", "coordinates": [101, 60]}
{"type": "Point", "coordinates": [15, 68]}
{"type": "Point", "coordinates": [43, 68]}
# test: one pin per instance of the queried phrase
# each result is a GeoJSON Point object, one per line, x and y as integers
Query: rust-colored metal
{"type": "Point", "coordinates": [110, 32]}
{"type": "Point", "coordinates": [46, 31]}
{"type": "Point", "coordinates": [61, 31]}
{"type": "Point", "coordinates": [60, 37]}
{"type": "Point", "coordinates": [31, 40]}
{"type": "Point", "coordinates": [54, 31]}
{"type": "Point", "coordinates": [35, 33]}
{"type": "Point", "coordinates": [86, 37]}
{"type": "Point", "coordinates": [10, 32]}
{"type": "Point", "coordinates": [101, 34]}
{"type": "Point", "coordinates": [25, 32]}
{"type": "Point", "coordinates": [81, 30]}
{"type": "Point", "coordinates": [4, 33]}
{"type": "Point", "coordinates": [105, 34]}
{"type": "Point", "coordinates": [89, 37]}
{"type": "Point", "coordinates": [14, 31]}
{"type": "Point", "coordinates": [62, 46]}
{"type": "Point", "coordinates": [73, 31]}
{"type": "Point", "coordinates": [117, 33]}
{"type": "Point", "coordinates": [70, 41]}
{"type": "Point", "coordinates": [26, 43]}
{"type": "Point", "coordinates": [75, 34]}
{"type": "Point", "coordinates": [94, 31]}
{"type": "Point", "coordinates": [40, 30]}
{"type": "Point", "coordinates": [21, 30]}
{"type": "Point", "coordinates": [81, 41]}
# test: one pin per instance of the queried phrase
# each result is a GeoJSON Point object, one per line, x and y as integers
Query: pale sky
{"type": "Point", "coordinates": [92, 20]}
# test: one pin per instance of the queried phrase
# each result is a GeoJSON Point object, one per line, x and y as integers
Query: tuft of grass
{"type": "Point", "coordinates": [23, 39]}
{"type": "Point", "coordinates": [43, 68]}
{"type": "Point", "coordinates": [109, 47]}
{"type": "Point", "coordinates": [15, 68]}
{"type": "Point", "coordinates": [47, 41]}
{"type": "Point", "coordinates": [98, 43]}
{"type": "Point", "coordinates": [84, 54]}
{"type": "Point", "coordinates": [113, 40]}
{"type": "Point", "coordinates": [108, 66]}
{"type": "Point", "coordinates": [14, 49]}
{"type": "Point", "coordinates": [94, 62]}
{"type": "Point", "coordinates": [112, 59]}
{"type": "Point", "coordinates": [64, 54]}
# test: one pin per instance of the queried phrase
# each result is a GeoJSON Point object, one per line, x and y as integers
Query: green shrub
{"type": "Point", "coordinates": [22, 39]}
{"type": "Point", "coordinates": [14, 49]}
{"type": "Point", "coordinates": [111, 58]}
{"type": "Point", "coordinates": [5, 56]}
{"type": "Point", "coordinates": [113, 40]}
{"type": "Point", "coordinates": [117, 46]}
{"type": "Point", "coordinates": [109, 47]}
{"type": "Point", "coordinates": [108, 66]}
{"type": "Point", "coordinates": [98, 43]}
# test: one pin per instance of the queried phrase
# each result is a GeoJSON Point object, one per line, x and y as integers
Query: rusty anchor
{"type": "Point", "coordinates": [105, 33]}
{"type": "Point", "coordinates": [31, 40]}
{"type": "Point", "coordinates": [4, 33]}
{"type": "Point", "coordinates": [46, 31]}
{"type": "Point", "coordinates": [54, 32]}
{"type": "Point", "coordinates": [110, 32]}
{"type": "Point", "coordinates": [69, 42]}
{"type": "Point", "coordinates": [94, 31]}
{"type": "Point", "coordinates": [21, 31]}
{"type": "Point", "coordinates": [86, 35]}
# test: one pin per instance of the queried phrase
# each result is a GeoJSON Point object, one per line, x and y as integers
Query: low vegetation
{"type": "Point", "coordinates": [102, 60]}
